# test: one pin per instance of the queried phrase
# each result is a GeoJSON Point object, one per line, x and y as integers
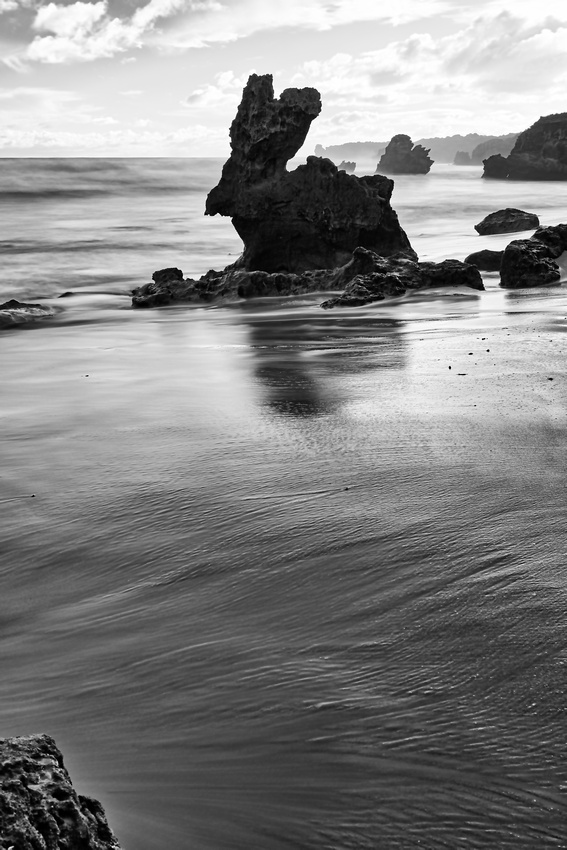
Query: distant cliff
{"type": "Point", "coordinates": [441, 149]}
{"type": "Point", "coordinates": [356, 151]}
{"type": "Point", "coordinates": [495, 145]}
{"type": "Point", "coordinates": [540, 153]}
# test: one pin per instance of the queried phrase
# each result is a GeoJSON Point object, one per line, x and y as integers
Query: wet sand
{"type": "Point", "coordinates": [293, 578]}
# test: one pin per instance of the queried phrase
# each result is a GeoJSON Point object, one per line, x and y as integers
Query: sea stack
{"type": "Point", "coordinates": [39, 808]}
{"type": "Point", "coordinates": [403, 157]}
{"type": "Point", "coordinates": [310, 218]}
{"type": "Point", "coordinates": [540, 153]}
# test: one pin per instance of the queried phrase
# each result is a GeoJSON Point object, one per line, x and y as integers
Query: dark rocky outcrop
{"type": "Point", "coordinates": [532, 262]}
{"type": "Point", "coordinates": [39, 808]}
{"type": "Point", "coordinates": [540, 153]}
{"type": "Point", "coordinates": [403, 157]}
{"type": "Point", "coordinates": [348, 166]}
{"type": "Point", "coordinates": [509, 220]}
{"type": "Point", "coordinates": [369, 277]}
{"type": "Point", "coordinates": [380, 276]}
{"type": "Point", "coordinates": [309, 218]}
{"type": "Point", "coordinates": [486, 261]}
{"type": "Point", "coordinates": [14, 312]}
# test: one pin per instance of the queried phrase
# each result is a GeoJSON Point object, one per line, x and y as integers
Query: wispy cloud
{"type": "Point", "coordinates": [83, 32]}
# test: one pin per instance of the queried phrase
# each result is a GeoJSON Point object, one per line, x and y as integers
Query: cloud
{"type": "Point", "coordinates": [8, 5]}
{"type": "Point", "coordinates": [74, 21]}
{"type": "Point", "coordinates": [243, 18]}
{"type": "Point", "coordinates": [481, 77]}
{"type": "Point", "coordinates": [83, 32]}
{"type": "Point", "coordinates": [226, 91]}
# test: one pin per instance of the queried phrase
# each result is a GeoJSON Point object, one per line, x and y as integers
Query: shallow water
{"type": "Point", "coordinates": [286, 579]}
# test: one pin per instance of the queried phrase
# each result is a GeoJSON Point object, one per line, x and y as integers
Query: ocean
{"type": "Point", "coordinates": [273, 576]}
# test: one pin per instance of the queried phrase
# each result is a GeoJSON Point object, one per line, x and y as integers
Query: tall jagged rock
{"type": "Point", "coordinates": [540, 153]}
{"type": "Point", "coordinates": [309, 218]}
{"type": "Point", "coordinates": [39, 808]}
{"type": "Point", "coordinates": [403, 157]}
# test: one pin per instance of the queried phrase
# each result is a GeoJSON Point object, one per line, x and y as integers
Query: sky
{"type": "Point", "coordinates": [164, 77]}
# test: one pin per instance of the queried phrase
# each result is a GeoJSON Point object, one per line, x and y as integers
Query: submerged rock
{"type": "Point", "coordinates": [39, 808]}
{"type": "Point", "coordinates": [508, 220]}
{"type": "Point", "coordinates": [531, 262]}
{"type": "Point", "coordinates": [540, 153]}
{"type": "Point", "coordinates": [14, 312]}
{"type": "Point", "coordinates": [309, 218]}
{"type": "Point", "coordinates": [403, 157]}
{"type": "Point", "coordinates": [486, 261]}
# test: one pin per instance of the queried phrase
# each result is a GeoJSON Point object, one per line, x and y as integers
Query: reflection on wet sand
{"type": "Point", "coordinates": [296, 363]}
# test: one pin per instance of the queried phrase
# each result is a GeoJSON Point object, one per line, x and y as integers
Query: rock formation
{"type": "Point", "coordinates": [348, 166]}
{"type": "Point", "coordinates": [531, 262]}
{"type": "Point", "coordinates": [486, 261]}
{"type": "Point", "coordinates": [403, 157]}
{"type": "Point", "coordinates": [309, 218]}
{"type": "Point", "coordinates": [39, 808]}
{"type": "Point", "coordinates": [509, 220]}
{"type": "Point", "coordinates": [310, 230]}
{"type": "Point", "coordinates": [540, 153]}
{"type": "Point", "coordinates": [367, 277]}
{"type": "Point", "coordinates": [18, 313]}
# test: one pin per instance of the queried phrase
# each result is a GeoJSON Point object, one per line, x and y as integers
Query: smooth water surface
{"type": "Point", "coordinates": [286, 580]}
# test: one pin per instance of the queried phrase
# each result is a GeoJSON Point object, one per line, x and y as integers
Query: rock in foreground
{"type": "Point", "coordinates": [39, 808]}
{"type": "Point", "coordinates": [540, 153]}
{"type": "Point", "coordinates": [372, 276]}
{"type": "Point", "coordinates": [509, 220]}
{"type": "Point", "coordinates": [532, 262]}
{"type": "Point", "coordinates": [486, 261]}
{"type": "Point", "coordinates": [369, 277]}
{"type": "Point", "coordinates": [296, 221]}
{"type": "Point", "coordinates": [403, 157]}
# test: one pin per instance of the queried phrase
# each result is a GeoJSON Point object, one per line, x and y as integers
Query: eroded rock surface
{"type": "Point", "coordinates": [39, 808]}
{"type": "Point", "coordinates": [309, 218]}
{"type": "Point", "coordinates": [369, 277]}
{"type": "Point", "coordinates": [375, 277]}
{"type": "Point", "coordinates": [486, 261]}
{"type": "Point", "coordinates": [509, 220]}
{"type": "Point", "coordinates": [532, 262]}
{"type": "Point", "coordinates": [540, 153]}
{"type": "Point", "coordinates": [403, 157]}
{"type": "Point", "coordinates": [14, 312]}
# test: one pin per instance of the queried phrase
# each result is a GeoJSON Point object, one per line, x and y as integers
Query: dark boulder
{"type": "Point", "coordinates": [14, 312]}
{"type": "Point", "coordinates": [486, 261]}
{"type": "Point", "coordinates": [369, 277]}
{"type": "Point", "coordinates": [509, 220]}
{"type": "Point", "coordinates": [382, 276]}
{"type": "Point", "coordinates": [39, 808]}
{"type": "Point", "coordinates": [403, 157]}
{"type": "Point", "coordinates": [540, 153]}
{"type": "Point", "coordinates": [532, 262]}
{"type": "Point", "coordinates": [309, 218]}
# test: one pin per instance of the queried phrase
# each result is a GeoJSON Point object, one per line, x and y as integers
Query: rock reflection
{"type": "Point", "coordinates": [298, 360]}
